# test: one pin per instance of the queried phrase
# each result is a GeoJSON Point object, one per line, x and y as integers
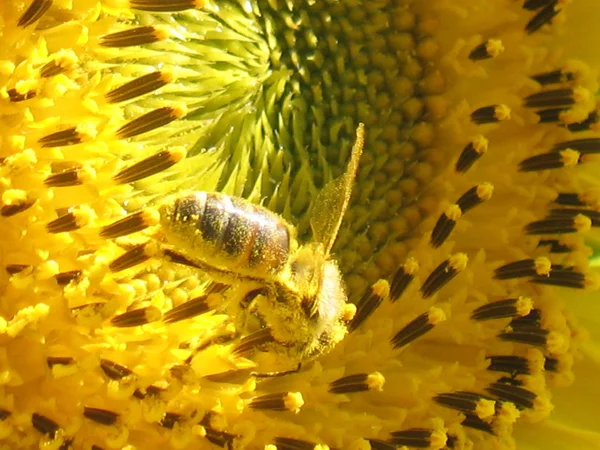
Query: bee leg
{"type": "Point", "coordinates": [276, 374]}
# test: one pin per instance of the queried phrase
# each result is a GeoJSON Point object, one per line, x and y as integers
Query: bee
{"type": "Point", "coordinates": [295, 291]}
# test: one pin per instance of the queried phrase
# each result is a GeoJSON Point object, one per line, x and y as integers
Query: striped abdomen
{"type": "Point", "coordinates": [228, 232]}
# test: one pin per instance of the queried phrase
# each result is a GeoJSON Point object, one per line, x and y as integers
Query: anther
{"type": "Point", "coordinates": [369, 302]}
{"type": "Point", "coordinates": [377, 444]}
{"type": "Point", "coordinates": [44, 425]}
{"type": "Point", "coordinates": [532, 5]}
{"type": "Point", "coordinates": [523, 268]}
{"type": "Point", "coordinates": [553, 77]}
{"type": "Point", "coordinates": [15, 207]}
{"type": "Point", "coordinates": [468, 402]}
{"type": "Point", "coordinates": [150, 391]}
{"type": "Point", "coordinates": [4, 414]}
{"type": "Point", "coordinates": [51, 69]}
{"type": "Point", "coordinates": [13, 269]}
{"type": "Point", "coordinates": [113, 370]}
{"type": "Point", "coordinates": [133, 37]}
{"type": "Point", "coordinates": [559, 225]}
{"type": "Point", "coordinates": [35, 12]}
{"type": "Point", "coordinates": [533, 319]}
{"type": "Point", "coordinates": [358, 383]}
{"type": "Point", "coordinates": [101, 416]}
{"type": "Point", "coordinates": [550, 115]}
{"type": "Point", "coordinates": [444, 225]}
{"type": "Point", "coordinates": [150, 121]}
{"type": "Point", "coordinates": [137, 317]}
{"type": "Point", "coordinates": [138, 87]}
{"type": "Point", "coordinates": [71, 177]}
{"type": "Point", "coordinates": [52, 361]}
{"type": "Point", "coordinates": [16, 96]}
{"type": "Point", "coordinates": [552, 160]}
{"type": "Point", "coordinates": [569, 199]}
{"type": "Point", "coordinates": [563, 277]}
{"type": "Point", "coordinates": [543, 17]}
{"type": "Point", "coordinates": [252, 341]}
{"type": "Point", "coordinates": [159, 6]}
{"type": "Point", "coordinates": [131, 224]}
{"type": "Point", "coordinates": [535, 336]}
{"type": "Point", "coordinates": [583, 146]}
{"type": "Point", "coordinates": [472, 421]}
{"type": "Point", "coordinates": [488, 49]}
{"type": "Point", "coordinates": [64, 223]}
{"type": "Point", "coordinates": [415, 437]}
{"type": "Point", "coordinates": [555, 246]}
{"type": "Point", "coordinates": [443, 273]}
{"type": "Point", "coordinates": [284, 443]}
{"type": "Point", "coordinates": [554, 98]}
{"type": "Point", "coordinates": [475, 196]}
{"type": "Point", "coordinates": [279, 401]}
{"type": "Point", "coordinates": [64, 278]}
{"type": "Point", "coordinates": [402, 278]}
{"type": "Point", "coordinates": [503, 308]}
{"type": "Point", "coordinates": [170, 419]}
{"type": "Point", "coordinates": [220, 438]}
{"type": "Point", "coordinates": [70, 136]}
{"type": "Point", "coordinates": [136, 255]}
{"type": "Point", "coordinates": [522, 398]}
{"type": "Point", "coordinates": [150, 166]}
{"type": "Point", "coordinates": [187, 310]}
{"type": "Point", "coordinates": [490, 114]}
{"type": "Point", "coordinates": [471, 153]}
{"type": "Point", "coordinates": [514, 365]}
{"type": "Point", "coordinates": [418, 327]}
{"type": "Point", "coordinates": [586, 124]}
{"type": "Point", "coordinates": [551, 364]}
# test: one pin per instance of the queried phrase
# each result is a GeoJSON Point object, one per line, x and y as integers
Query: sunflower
{"type": "Point", "coordinates": [468, 248]}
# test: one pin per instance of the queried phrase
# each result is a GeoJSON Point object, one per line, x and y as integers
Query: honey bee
{"type": "Point", "coordinates": [295, 291]}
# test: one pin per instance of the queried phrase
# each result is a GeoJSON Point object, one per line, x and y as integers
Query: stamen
{"type": "Point", "coordinates": [150, 391]}
{"type": "Point", "coordinates": [131, 224]}
{"type": "Point", "coordinates": [220, 438]}
{"type": "Point", "coordinates": [444, 225]}
{"type": "Point", "coordinates": [551, 364]}
{"type": "Point", "coordinates": [64, 278]}
{"type": "Point", "coordinates": [523, 268]}
{"type": "Point", "coordinates": [170, 419]}
{"type": "Point", "coordinates": [543, 17]}
{"type": "Point", "coordinates": [468, 402]}
{"type": "Point", "coordinates": [532, 5]}
{"type": "Point", "coordinates": [418, 327]}
{"type": "Point", "coordinates": [475, 196]}
{"type": "Point", "coordinates": [551, 115]}
{"type": "Point", "coordinates": [555, 246]}
{"type": "Point", "coordinates": [584, 146]}
{"type": "Point", "coordinates": [402, 278]}
{"type": "Point", "coordinates": [101, 416]}
{"type": "Point", "coordinates": [377, 444]}
{"type": "Point", "coordinates": [279, 401]}
{"type": "Point", "coordinates": [592, 215]}
{"type": "Point", "coordinates": [472, 421]}
{"type": "Point", "coordinates": [158, 6]}
{"type": "Point", "coordinates": [150, 121]}
{"type": "Point", "coordinates": [137, 317]}
{"type": "Point", "coordinates": [70, 177]}
{"type": "Point", "coordinates": [283, 443]}
{"type": "Point", "coordinates": [69, 222]}
{"type": "Point", "coordinates": [443, 273]}
{"type": "Point", "coordinates": [471, 153]}
{"type": "Point", "coordinates": [559, 225]}
{"type": "Point", "coordinates": [503, 308]}
{"type": "Point", "coordinates": [13, 269]}
{"type": "Point", "coordinates": [52, 361]}
{"type": "Point", "coordinates": [553, 77]}
{"type": "Point", "coordinates": [488, 49]}
{"type": "Point", "coordinates": [16, 96]}
{"type": "Point", "coordinates": [150, 166]}
{"type": "Point", "coordinates": [415, 437]}
{"type": "Point", "coordinates": [252, 341]}
{"type": "Point", "coordinates": [133, 37]}
{"type": "Point", "coordinates": [490, 114]}
{"type": "Point", "coordinates": [35, 12]}
{"type": "Point", "coordinates": [514, 365]}
{"type": "Point", "coordinates": [369, 302]}
{"type": "Point", "coordinates": [15, 207]}
{"type": "Point", "coordinates": [533, 319]}
{"type": "Point", "coordinates": [584, 125]}
{"type": "Point", "coordinates": [554, 98]}
{"type": "Point", "coordinates": [136, 255]}
{"type": "Point", "coordinates": [569, 199]}
{"type": "Point", "coordinates": [358, 383]}
{"type": "Point", "coordinates": [44, 425]}
{"type": "Point", "coordinates": [113, 370]}
{"type": "Point", "coordinates": [138, 87]}
{"type": "Point", "coordinates": [553, 160]}
{"type": "Point", "coordinates": [563, 277]}
{"type": "Point", "coordinates": [187, 310]}
{"type": "Point", "coordinates": [51, 69]}
{"type": "Point", "coordinates": [522, 398]}
{"type": "Point", "coordinates": [70, 136]}
{"type": "Point", "coordinates": [4, 414]}
{"type": "Point", "coordinates": [526, 335]}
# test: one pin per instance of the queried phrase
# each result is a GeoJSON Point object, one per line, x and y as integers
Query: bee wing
{"type": "Point", "coordinates": [331, 203]}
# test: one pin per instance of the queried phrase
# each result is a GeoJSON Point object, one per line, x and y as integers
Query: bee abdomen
{"type": "Point", "coordinates": [230, 232]}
